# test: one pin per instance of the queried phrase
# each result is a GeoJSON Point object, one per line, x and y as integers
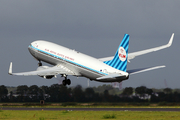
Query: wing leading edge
{"type": "Point", "coordinates": [55, 70]}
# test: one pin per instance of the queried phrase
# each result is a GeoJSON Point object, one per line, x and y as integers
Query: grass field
{"type": "Point", "coordinates": [88, 115]}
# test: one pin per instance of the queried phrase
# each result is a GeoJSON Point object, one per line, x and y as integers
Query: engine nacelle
{"type": "Point", "coordinates": [46, 76]}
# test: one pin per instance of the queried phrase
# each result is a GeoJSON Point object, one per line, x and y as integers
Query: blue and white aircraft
{"type": "Point", "coordinates": [70, 62]}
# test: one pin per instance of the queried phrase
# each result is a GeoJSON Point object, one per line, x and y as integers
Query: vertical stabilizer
{"type": "Point", "coordinates": [120, 59]}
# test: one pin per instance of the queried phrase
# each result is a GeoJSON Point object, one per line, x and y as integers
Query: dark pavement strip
{"type": "Point", "coordinates": [95, 109]}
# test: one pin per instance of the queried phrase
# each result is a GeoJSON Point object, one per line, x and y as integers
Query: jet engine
{"type": "Point", "coordinates": [45, 76]}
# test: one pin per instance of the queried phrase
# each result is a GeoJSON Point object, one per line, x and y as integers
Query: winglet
{"type": "Point", "coordinates": [171, 40]}
{"type": "Point", "coordinates": [10, 69]}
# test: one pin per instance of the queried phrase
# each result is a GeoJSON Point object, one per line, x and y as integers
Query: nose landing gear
{"type": "Point", "coordinates": [66, 82]}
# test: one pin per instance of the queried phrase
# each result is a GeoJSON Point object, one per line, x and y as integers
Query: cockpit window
{"type": "Point", "coordinates": [36, 45]}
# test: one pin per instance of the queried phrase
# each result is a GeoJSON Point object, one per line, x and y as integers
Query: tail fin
{"type": "Point", "coordinates": [120, 59]}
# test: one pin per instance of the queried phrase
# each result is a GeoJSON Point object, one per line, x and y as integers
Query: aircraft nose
{"type": "Point", "coordinates": [35, 44]}
{"type": "Point", "coordinates": [32, 48]}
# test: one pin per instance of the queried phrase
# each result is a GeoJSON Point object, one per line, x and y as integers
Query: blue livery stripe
{"type": "Point", "coordinates": [120, 59]}
{"type": "Point", "coordinates": [117, 63]}
{"type": "Point", "coordinates": [100, 72]}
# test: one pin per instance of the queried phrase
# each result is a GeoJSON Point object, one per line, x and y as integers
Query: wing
{"type": "Point", "coordinates": [58, 69]}
{"type": "Point", "coordinates": [106, 58]}
{"type": "Point", "coordinates": [134, 54]}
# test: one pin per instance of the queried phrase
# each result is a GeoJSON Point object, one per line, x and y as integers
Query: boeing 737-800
{"type": "Point", "coordinates": [70, 62]}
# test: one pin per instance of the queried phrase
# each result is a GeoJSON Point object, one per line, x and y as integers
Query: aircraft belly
{"type": "Point", "coordinates": [119, 79]}
{"type": "Point", "coordinates": [89, 74]}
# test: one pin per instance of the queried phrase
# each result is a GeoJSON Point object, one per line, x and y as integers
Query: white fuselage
{"type": "Point", "coordinates": [80, 64]}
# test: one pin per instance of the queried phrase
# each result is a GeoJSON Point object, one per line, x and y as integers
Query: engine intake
{"type": "Point", "coordinates": [47, 76]}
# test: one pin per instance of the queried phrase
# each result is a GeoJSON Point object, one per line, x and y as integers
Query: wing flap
{"type": "Point", "coordinates": [58, 69]}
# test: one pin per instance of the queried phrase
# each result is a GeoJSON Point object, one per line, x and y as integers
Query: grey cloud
{"type": "Point", "coordinates": [83, 25]}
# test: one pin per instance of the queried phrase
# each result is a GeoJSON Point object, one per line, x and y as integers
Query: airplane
{"type": "Point", "coordinates": [66, 62]}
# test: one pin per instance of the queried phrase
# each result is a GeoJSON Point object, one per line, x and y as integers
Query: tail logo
{"type": "Point", "coordinates": [122, 54]}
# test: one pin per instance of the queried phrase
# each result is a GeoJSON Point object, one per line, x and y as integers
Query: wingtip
{"type": "Point", "coordinates": [171, 40]}
{"type": "Point", "coordinates": [162, 66]}
{"type": "Point", "coordinates": [10, 69]}
{"type": "Point", "coordinates": [157, 67]}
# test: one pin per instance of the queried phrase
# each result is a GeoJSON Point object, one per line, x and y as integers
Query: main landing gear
{"type": "Point", "coordinates": [39, 64]}
{"type": "Point", "coordinates": [66, 81]}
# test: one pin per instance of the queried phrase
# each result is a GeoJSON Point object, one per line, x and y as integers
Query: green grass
{"type": "Point", "coordinates": [88, 115]}
{"type": "Point", "coordinates": [107, 116]}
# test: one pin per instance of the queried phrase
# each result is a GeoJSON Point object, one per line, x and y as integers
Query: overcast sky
{"type": "Point", "coordinates": [93, 27]}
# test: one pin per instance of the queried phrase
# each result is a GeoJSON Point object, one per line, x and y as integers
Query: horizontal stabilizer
{"type": "Point", "coordinates": [135, 71]}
